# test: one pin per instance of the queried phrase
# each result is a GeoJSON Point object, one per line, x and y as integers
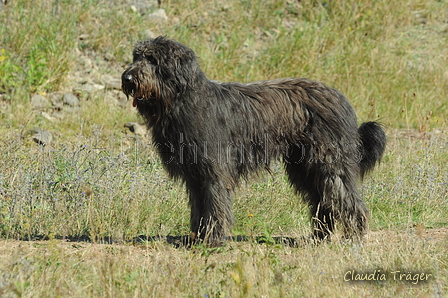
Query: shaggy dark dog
{"type": "Point", "coordinates": [210, 135]}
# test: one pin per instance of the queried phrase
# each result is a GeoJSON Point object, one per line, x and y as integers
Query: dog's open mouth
{"type": "Point", "coordinates": [140, 97]}
{"type": "Point", "coordinates": [136, 98]}
{"type": "Point", "coordinates": [136, 95]}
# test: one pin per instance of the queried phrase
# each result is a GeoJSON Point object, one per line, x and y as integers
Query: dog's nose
{"type": "Point", "coordinates": [127, 77]}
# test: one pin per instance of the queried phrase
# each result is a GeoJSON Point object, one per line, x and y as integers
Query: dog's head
{"type": "Point", "coordinates": [161, 72]}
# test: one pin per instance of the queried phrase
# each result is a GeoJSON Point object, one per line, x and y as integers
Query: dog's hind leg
{"type": "Point", "coordinates": [331, 191]}
{"type": "Point", "coordinates": [336, 197]}
{"type": "Point", "coordinates": [306, 181]}
{"type": "Point", "coordinates": [339, 199]}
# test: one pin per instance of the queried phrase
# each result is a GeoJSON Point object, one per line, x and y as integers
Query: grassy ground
{"type": "Point", "coordinates": [97, 182]}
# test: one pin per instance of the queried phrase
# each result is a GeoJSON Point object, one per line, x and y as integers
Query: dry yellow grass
{"type": "Point", "coordinates": [63, 269]}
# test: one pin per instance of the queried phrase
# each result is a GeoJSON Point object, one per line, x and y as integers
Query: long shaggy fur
{"type": "Point", "coordinates": [210, 135]}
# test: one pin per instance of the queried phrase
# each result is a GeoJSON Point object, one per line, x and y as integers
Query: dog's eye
{"type": "Point", "coordinates": [151, 59]}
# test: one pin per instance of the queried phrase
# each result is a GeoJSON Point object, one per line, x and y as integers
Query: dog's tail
{"type": "Point", "coordinates": [372, 145]}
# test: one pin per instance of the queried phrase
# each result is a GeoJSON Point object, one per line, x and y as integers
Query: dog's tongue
{"type": "Point", "coordinates": [134, 102]}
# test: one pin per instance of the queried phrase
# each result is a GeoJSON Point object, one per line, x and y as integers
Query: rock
{"type": "Point", "coordinates": [158, 16]}
{"type": "Point", "coordinates": [48, 116]}
{"type": "Point", "coordinates": [70, 99]}
{"type": "Point", "coordinates": [84, 36]}
{"type": "Point", "coordinates": [143, 6]}
{"type": "Point", "coordinates": [90, 88]}
{"type": "Point", "coordinates": [109, 56]}
{"type": "Point", "coordinates": [111, 82]}
{"type": "Point", "coordinates": [136, 128]}
{"type": "Point", "coordinates": [39, 102]}
{"type": "Point", "coordinates": [41, 137]}
{"type": "Point", "coordinates": [85, 63]}
{"type": "Point", "coordinates": [55, 98]}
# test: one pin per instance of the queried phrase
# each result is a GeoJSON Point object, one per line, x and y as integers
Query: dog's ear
{"type": "Point", "coordinates": [175, 64]}
{"type": "Point", "coordinates": [186, 68]}
{"type": "Point", "coordinates": [186, 72]}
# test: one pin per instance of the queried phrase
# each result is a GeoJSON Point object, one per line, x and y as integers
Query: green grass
{"type": "Point", "coordinates": [117, 188]}
{"type": "Point", "coordinates": [389, 64]}
{"type": "Point", "coordinates": [95, 181]}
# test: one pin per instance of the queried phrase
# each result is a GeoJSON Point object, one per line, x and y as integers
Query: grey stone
{"type": "Point", "coordinates": [111, 82]}
{"type": "Point", "coordinates": [84, 63]}
{"type": "Point", "coordinates": [48, 116]}
{"type": "Point", "coordinates": [90, 88]}
{"type": "Point", "coordinates": [143, 6]}
{"type": "Point", "coordinates": [83, 36]}
{"type": "Point", "coordinates": [41, 137]}
{"type": "Point", "coordinates": [55, 98]}
{"type": "Point", "coordinates": [109, 56]}
{"type": "Point", "coordinates": [70, 99]}
{"type": "Point", "coordinates": [39, 102]}
{"type": "Point", "coordinates": [136, 128]}
{"type": "Point", "coordinates": [158, 15]}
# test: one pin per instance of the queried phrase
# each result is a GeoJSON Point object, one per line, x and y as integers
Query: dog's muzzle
{"type": "Point", "coordinates": [127, 79]}
{"type": "Point", "coordinates": [129, 87]}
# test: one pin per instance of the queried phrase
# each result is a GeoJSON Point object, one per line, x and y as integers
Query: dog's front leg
{"type": "Point", "coordinates": [211, 211]}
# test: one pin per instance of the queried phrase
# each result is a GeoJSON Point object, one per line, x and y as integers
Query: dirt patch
{"type": "Point", "coordinates": [7, 247]}
{"type": "Point", "coordinates": [418, 232]}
